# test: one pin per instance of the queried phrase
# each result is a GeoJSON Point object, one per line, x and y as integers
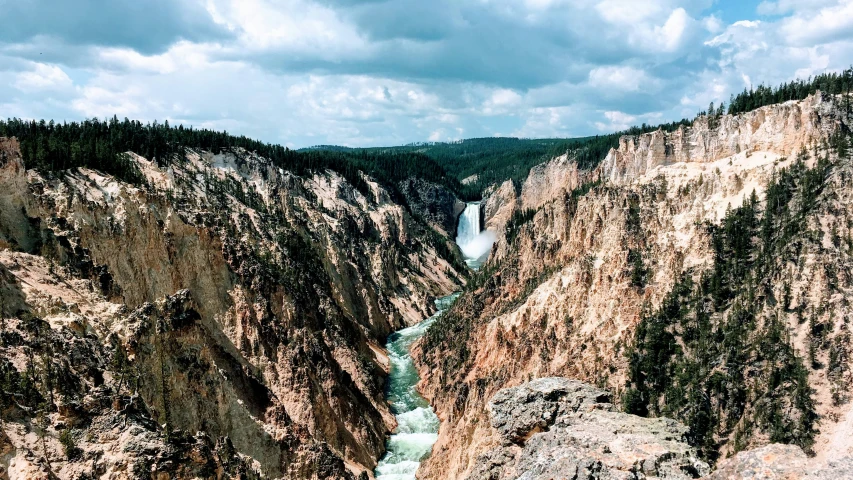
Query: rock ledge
{"type": "Point", "coordinates": [562, 428]}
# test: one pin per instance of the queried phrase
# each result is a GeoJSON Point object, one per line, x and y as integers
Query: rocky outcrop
{"type": "Point", "coordinates": [561, 428]}
{"type": "Point", "coordinates": [250, 304]}
{"type": "Point", "coordinates": [499, 203]}
{"type": "Point", "coordinates": [550, 180]}
{"type": "Point", "coordinates": [71, 407]}
{"type": "Point", "coordinates": [564, 297]}
{"type": "Point", "coordinates": [14, 225]}
{"type": "Point", "coordinates": [435, 203]}
{"type": "Point", "coordinates": [553, 179]}
{"type": "Point", "coordinates": [782, 129]}
{"type": "Point", "coordinates": [777, 461]}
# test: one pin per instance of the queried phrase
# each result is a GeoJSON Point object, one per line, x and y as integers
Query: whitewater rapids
{"type": "Point", "coordinates": [417, 423]}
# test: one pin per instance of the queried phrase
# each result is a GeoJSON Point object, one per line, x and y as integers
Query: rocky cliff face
{"type": "Point", "coordinates": [781, 461]}
{"type": "Point", "coordinates": [782, 129]}
{"type": "Point", "coordinates": [499, 203]}
{"type": "Point", "coordinates": [565, 293]}
{"type": "Point", "coordinates": [222, 296]}
{"type": "Point", "coordinates": [547, 181]}
{"type": "Point", "coordinates": [550, 180]}
{"type": "Point", "coordinates": [434, 203]}
{"type": "Point", "coordinates": [560, 428]}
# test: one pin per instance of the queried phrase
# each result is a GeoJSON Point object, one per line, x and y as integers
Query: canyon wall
{"type": "Point", "coordinates": [221, 316]}
{"type": "Point", "coordinates": [566, 289]}
{"type": "Point", "coordinates": [782, 129]}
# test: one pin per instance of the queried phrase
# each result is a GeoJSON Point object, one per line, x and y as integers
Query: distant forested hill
{"type": "Point", "coordinates": [497, 159]}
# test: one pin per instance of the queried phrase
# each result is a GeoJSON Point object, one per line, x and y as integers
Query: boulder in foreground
{"type": "Point", "coordinates": [561, 428]}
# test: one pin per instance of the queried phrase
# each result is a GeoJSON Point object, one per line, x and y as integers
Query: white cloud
{"type": "Point", "coordinates": [446, 135]}
{"type": "Point", "coordinates": [616, 121]}
{"type": "Point", "coordinates": [768, 8]}
{"type": "Point", "coordinates": [297, 26]}
{"type": "Point", "coordinates": [782, 7]}
{"type": "Point", "coordinates": [182, 55]}
{"type": "Point", "coordinates": [817, 64]}
{"type": "Point", "coordinates": [640, 23]}
{"type": "Point", "coordinates": [101, 102]}
{"type": "Point", "coordinates": [554, 122]}
{"type": "Point", "coordinates": [820, 26]}
{"type": "Point", "coordinates": [42, 77]}
{"type": "Point", "coordinates": [629, 12]}
{"type": "Point", "coordinates": [540, 4]}
{"type": "Point", "coordinates": [304, 72]}
{"type": "Point", "coordinates": [713, 24]}
{"type": "Point", "coordinates": [620, 117]}
{"type": "Point", "coordinates": [501, 101]}
{"type": "Point", "coordinates": [620, 78]}
{"type": "Point", "coordinates": [672, 32]}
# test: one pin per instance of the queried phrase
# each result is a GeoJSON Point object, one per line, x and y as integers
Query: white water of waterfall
{"type": "Point", "coordinates": [475, 244]}
{"type": "Point", "coordinates": [417, 424]}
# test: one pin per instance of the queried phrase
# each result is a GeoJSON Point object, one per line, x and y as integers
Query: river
{"type": "Point", "coordinates": [417, 423]}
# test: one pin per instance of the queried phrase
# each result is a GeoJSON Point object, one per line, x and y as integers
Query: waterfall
{"type": "Point", "coordinates": [475, 244]}
{"type": "Point", "coordinates": [469, 224]}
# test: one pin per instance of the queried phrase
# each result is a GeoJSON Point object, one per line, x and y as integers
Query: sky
{"type": "Point", "coordinates": [392, 72]}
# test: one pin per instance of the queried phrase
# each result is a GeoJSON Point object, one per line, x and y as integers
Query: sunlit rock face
{"type": "Point", "coordinates": [499, 203]}
{"type": "Point", "coordinates": [782, 129]}
{"type": "Point", "coordinates": [781, 461]}
{"type": "Point", "coordinates": [560, 300]}
{"type": "Point", "coordinates": [561, 428]}
{"type": "Point", "coordinates": [222, 315]}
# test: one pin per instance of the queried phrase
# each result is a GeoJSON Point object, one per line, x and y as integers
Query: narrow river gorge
{"type": "Point", "coordinates": [417, 423]}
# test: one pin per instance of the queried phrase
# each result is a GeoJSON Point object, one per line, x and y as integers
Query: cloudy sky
{"type": "Point", "coordinates": [390, 72]}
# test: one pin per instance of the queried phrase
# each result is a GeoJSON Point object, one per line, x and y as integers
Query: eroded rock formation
{"type": "Point", "coordinates": [564, 296]}
{"type": "Point", "coordinates": [561, 428]}
{"type": "Point", "coordinates": [220, 295]}
{"type": "Point", "coordinates": [782, 129]}
{"type": "Point", "coordinates": [783, 462]}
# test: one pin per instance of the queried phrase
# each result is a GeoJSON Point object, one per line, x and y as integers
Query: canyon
{"type": "Point", "coordinates": [679, 310]}
{"type": "Point", "coordinates": [220, 317]}
{"type": "Point", "coordinates": [586, 261]}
